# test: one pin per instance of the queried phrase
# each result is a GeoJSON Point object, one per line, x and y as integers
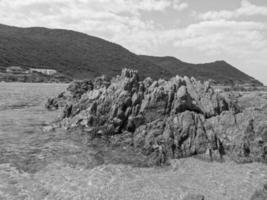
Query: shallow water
{"type": "Point", "coordinates": [25, 146]}
{"type": "Point", "coordinates": [22, 115]}
{"type": "Point", "coordinates": [59, 165]}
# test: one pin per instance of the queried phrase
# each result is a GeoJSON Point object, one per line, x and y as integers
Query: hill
{"type": "Point", "coordinates": [75, 54]}
{"type": "Point", "coordinates": [220, 71]}
{"type": "Point", "coordinates": [81, 56]}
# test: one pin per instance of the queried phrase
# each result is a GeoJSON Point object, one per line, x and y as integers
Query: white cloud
{"type": "Point", "coordinates": [120, 21]}
{"type": "Point", "coordinates": [113, 16]}
{"type": "Point", "coordinates": [178, 5]}
{"type": "Point", "coordinates": [232, 38]}
{"type": "Point", "coordinates": [246, 9]}
{"type": "Point", "coordinates": [242, 43]}
{"type": "Point", "coordinates": [105, 18]}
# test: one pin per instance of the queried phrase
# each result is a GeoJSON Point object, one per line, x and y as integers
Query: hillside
{"type": "Point", "coordinates": [220, 71]}
{"type": "Point", "coordinates": [81, 56]}
{"type": "Point", "coordinates": [75, 54]}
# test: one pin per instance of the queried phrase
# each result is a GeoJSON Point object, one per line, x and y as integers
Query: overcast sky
{"type": "Point", "coordinates": [194, 31]}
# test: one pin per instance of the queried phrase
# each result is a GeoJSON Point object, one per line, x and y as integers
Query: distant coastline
{"type": "Point", "coordinates": [32, 75]}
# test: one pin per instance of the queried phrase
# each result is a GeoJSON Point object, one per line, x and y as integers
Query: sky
{"type": "Point", "coordinates": [195, 31]}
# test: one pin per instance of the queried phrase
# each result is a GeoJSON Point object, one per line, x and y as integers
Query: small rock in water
{"type": "Point", "coordinates": [48, 128]}
{"type": "Point", "coordinates": [194, 197]}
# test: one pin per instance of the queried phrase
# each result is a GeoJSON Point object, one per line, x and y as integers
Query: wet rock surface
{"type": "Point", "coordinates": [163, 119]}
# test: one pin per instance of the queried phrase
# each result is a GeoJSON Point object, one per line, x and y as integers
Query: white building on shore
{"type": "Point", "coordinates": [43, 71]}
{"type": "Point", "coordinates": [15, 69]}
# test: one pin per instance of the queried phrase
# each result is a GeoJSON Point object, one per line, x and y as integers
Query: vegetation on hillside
{"type": "Point", "coordinates": [81, 56]}
{"type": "Point", "coordinates": [219, 71]}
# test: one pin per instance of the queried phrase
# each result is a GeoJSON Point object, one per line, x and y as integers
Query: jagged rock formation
{"type": "Point", "coordinates": [163, 119]}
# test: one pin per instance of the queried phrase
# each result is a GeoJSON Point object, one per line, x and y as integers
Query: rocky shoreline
{"type": "Point", "coordinates": [162, 120]}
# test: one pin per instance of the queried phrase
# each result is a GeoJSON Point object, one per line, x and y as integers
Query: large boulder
{"type": "Point", "coordinates": [177, 136]}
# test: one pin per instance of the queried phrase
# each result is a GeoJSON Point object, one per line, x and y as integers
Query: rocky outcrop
{"type": "Point", "coordinates": [163, 119]}
{"type": "Point", "coordinates": [75, 91]}
{"type": "Point", "coordinates": [244, 134]}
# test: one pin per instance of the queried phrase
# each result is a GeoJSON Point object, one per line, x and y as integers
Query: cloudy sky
{"type": "Point", "coordinates": [194, 31]}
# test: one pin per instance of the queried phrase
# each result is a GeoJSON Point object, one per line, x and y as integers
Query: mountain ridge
{"type": "Point", "coordinates": [82, 56]}
{"type": "Point", "coordinates": [228, 74]}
